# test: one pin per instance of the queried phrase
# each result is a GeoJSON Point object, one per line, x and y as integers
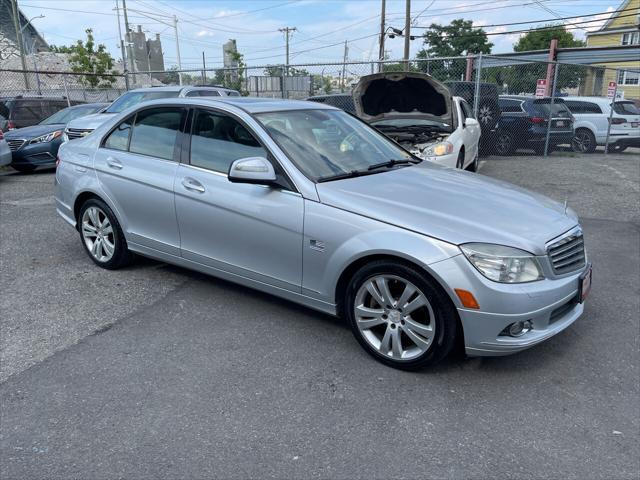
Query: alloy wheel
{"type": "Point", "coordinates": [581, 142]}
{"type": "Point", "coordinates": [503, 144]}
{"type": "Point", "coordinates": [98, 234]}
{"type": "Point", "coordinates": [394, 317]}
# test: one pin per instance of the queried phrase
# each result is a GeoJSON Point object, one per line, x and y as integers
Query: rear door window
{"type": "Point", "coordinates": [155, 132]}
{"type": "Point", "coordinates": [511, 106]}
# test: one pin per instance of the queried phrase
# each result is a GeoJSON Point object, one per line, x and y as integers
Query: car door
{"type": "Point", "coordinates": [254, 231]}
{"type": "Point", "coordinates": [136, 165]}
{"type": "Point", "coordinates": [471, 132]}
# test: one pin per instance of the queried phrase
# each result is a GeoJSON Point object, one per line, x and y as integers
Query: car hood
{"type": "Point", "coordinates": [33, 131]}
{"type": "Point", "coordinates": [390, 95]}
{"type": "Point", "coordinates": [453, 205]}
{"type": "Point", "coordinates": [90, 122]}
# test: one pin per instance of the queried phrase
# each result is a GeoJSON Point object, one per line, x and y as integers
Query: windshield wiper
{"type": "Point", "coordinates": [339, 176]}
{"type": "Point", "coordinates": [392, 163]}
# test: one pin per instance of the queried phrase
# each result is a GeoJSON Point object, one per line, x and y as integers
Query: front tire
{"type": "Point", "coordinates": [399, 315]}
{"type": "Point", "coordinates": [102, 235]}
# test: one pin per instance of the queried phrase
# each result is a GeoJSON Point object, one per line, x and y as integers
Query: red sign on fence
{"type": "Point", "coordinates": [611, 90]}
{"type": "Point", "coordinates": [541, 87]}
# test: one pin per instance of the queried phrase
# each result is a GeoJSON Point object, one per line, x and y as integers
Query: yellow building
{"type": "Point", "coordinates": [622, 29]}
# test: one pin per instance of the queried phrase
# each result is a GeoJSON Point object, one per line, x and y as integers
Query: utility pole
{"type": "Point", "coordinates": [127, 39]}
{"type": "Point", "coordinates": [407, 33]}
{"type": "Point", "coordinates": [122, 50]}
{"type": "Point", "coordinates": [204, 70]}
{"type": "Point", "coordinates": [344, 63]}
{"type": "Point", "coordinates": [286, 31]}
{"type": "Point", "coordinates": [382, 35]}
{"type": "Point", "coordinates": [175, 29]}
{"type": "Point", "coordinates": [16, 25]}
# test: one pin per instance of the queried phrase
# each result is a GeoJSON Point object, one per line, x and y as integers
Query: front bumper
{"type": "Point", "coordinates": [551, 305]}
{"type": "Point", "coordinates": [37, 154]}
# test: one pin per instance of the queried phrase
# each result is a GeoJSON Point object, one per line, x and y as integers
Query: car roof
{"type": "Point", "coordinates": [178, 88]}
{"type": "Point", "coordinates": [258, 105]}
{"type": "Point", "coordinates": [330, 95]}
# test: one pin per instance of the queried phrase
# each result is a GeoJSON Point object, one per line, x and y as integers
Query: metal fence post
{"type": "Point", "coordinates": [613, 101]}
{"type": "Point", "coordinates": [66, 90]}
{"type": "Point", "coordinates": [556, 67]}
{"type": "Point", "coordinates": [476, 96]}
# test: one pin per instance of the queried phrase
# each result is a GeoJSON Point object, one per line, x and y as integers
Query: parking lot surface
{"type": "Point", "coordinates": [154, 371]}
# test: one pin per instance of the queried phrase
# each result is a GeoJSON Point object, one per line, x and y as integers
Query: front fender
{"type": "Point", "coordinates": [328, 251]}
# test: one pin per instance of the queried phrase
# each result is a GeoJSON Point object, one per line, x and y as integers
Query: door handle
{"type": "Point", "coordinates": [113, 163]}
{"type": "Point", "coordinates": [193, 185]}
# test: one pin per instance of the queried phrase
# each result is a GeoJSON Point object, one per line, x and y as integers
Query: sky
{"type": "Point", "coordinates": [322, 26]}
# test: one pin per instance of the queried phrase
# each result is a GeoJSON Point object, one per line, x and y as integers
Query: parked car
{"type": "Point", "coordinates": [419, 113]}
{"type": "Point", "coordinates": [5, 151]}
{"type": "Point", "coordinates": [38, 145]}
{"type": "Point", "coordinates": [84, 126]}
{"type": "Point", "coordinates": [343, 101]}
{"type": "Point", "coordinates": [592, 122]}
{"type": "Point", "coordinates": [307, 202]}
{"type": "Point", "coordinates": [23, 111]}
{"type": "Point", "coordinates": [523, 124]}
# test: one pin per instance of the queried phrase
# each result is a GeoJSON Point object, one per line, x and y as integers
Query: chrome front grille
{"type": "Point", "coordinates": [567, 254]}
{"type": "Point", "coordinates": [75, 133]}
{"type": "Point", "coordinates": [15, 144]}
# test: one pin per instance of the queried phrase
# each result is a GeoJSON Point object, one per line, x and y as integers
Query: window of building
{"type": "Point", "coordinates": [628, 77]}
{"type": "Point", "coordinates": [631, 38]}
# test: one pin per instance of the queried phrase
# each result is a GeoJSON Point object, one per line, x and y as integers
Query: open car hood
{"type": "Point", "coordinates": [388, 95]}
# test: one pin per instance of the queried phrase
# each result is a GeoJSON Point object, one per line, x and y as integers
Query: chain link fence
{"type": "Point", "coordinates": [521, 105]}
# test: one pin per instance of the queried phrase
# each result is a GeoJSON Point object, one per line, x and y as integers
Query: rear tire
{"type": "Point", "coordinates": [583, 141]}
{"type": "Point", "coordinates": [412, 323]}
{"type": "Point", "coordinates": [504, 144]}
{"type": "Point", "coordinates": [102, 236]}
{"type": "Point", "coordinates": [615, 148]}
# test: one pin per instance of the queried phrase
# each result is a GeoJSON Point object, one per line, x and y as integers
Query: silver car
{"type": "Point", "coordinates": [308, 203]}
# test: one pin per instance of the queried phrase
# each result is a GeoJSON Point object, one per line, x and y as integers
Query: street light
{"type": "Point", "coordinates": [33, 45]}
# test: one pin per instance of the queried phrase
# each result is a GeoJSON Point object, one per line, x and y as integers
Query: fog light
{"type": "Point", "coordinates": [517, 329]}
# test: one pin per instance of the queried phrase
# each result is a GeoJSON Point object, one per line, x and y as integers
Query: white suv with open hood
{"type": "Point", "coordinates": [421, 115]}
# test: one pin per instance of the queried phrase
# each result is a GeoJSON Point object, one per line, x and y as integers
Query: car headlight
{"type": "Point", "coordinates": [503, 264]}
{"type": "Point", "coordinates": [439, 149]}
{"type": "Point", "coordinates": [47, 137]}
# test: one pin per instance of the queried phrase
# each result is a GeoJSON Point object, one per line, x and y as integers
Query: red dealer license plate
{"type": "Point", "coordinates": [585, 283]}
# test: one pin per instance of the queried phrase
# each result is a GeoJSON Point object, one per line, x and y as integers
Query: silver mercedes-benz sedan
{"type": "Point", "coordinates": [308, 203]}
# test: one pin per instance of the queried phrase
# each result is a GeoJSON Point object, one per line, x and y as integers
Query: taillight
{"type": "Point", "coordinates": [11, 125]}
{"type": "Point", "coordinates": [537, 119]}
{"type": "Point", "coordinates": [618, 121]}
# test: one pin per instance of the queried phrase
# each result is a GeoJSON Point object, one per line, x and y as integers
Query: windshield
{"type": "Point", "coordinates": [328, 143]}
{"type": "Point", "coordinates": [133, 98]}
{"type": "Point", "coordinates": [68, 114]}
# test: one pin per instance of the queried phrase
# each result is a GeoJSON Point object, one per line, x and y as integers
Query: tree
{"type": "Point", "coordinates": [86, 57]}
{"type": "Point", "coordinates": [458, 38]}
{"type": "Point", "coordinates": [523, 77]}
{"type": "Point", "coordinates": [540, 39]}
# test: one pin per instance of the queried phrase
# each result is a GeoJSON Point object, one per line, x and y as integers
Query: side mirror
{"type": "Point", "coordinates": [252, 170]}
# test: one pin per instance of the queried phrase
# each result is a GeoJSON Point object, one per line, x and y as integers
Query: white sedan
{"type": "Point", "coordinates": [420, 114]}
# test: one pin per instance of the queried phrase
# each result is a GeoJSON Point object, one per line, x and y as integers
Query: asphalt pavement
{"type": "Point", "coordinates": [157, 372]}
